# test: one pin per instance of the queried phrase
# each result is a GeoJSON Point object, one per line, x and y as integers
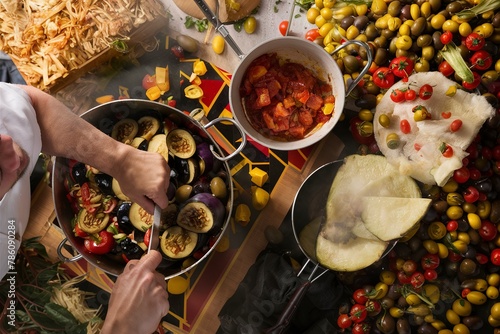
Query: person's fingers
{"type": "Point", "coordinates": [150, 261]}
{"type": "Point", "coordinates": [130, 264]}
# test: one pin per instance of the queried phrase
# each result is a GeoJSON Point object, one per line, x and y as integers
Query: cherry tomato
{"type": "Point", "coordinates": [402, 66]}
{"type": "Point", "coordinates": [177, 51]}
{"type": "Point", "coordinates": [344, 321]}
{"type": "Point", "coordinates": [481, 60]}
{"type": "Point", "coordinates": [456, 125]}
{"type": "Point", "coordinates": [471, 194]}
{"type": "Point", "coordinates": [430, 274]}
{"type": "Point", "coordinates": [373, 307]}
{"type": "Point", "coordinates": [475, 82]}
{"type": "Point", "coordinates": [446, 37]}
{"type": "Point", "coordinates": [358, 313]}
{"type": "Point", "coordinates": [425, 92]}
{"type": "Point", "coordinates": [405, 126]}
{"type": "Point", "coordinates": [397, 95]}
{"type": "Point", "coordinates": [148, 81]}
{"type": "Point", "coordinates": [172, 103]}
{"type": "Point", "coordinates": [361, 328]}
{"type": "Point", "coordinates": [481, 258]}
{"type": "Point", "coordinates": [101, 243]}
{"type": "Point", "coordinates": [445, 68]}
{"type": "Point", "coordinates": [383, 77]}
{"type": "Point", "coordinates": [430, 261]}
{"type": "Point", "coordinates": [79, 232]}
{"type": "Point", "coordinates": [447, 151]}
{"type": "Point", "coordinates": [403, 277]}
{"type": "Point", "coordinates": [359, 296]}
{"type": "Point", "coordinates": [283, 27]}
{"type": "Point", "coordinates": [312, 34]}
{"type": "Point", "coordinates": [474, 41]}
{"type": "Point", "coordinates": [465, 292]}
{"type": "Point", "coordinates": [488, 231]}
{"type": "Point", "coordinates": [147, 237]}
{"type": "Point", "coordinates": [461, 175]}
{"type": "Point", "coordinates": [451, 225]}
{"type": "Point", "coordinates": [417, 279]}
{"type": "Point", "coordinates": [495, 256]}
{"type": "Point", "coordinates": [410, 266]}
{"type": "Point", "coordinates": [410, 94]}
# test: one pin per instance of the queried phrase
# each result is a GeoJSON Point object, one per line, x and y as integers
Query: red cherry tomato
{"type": "Point", "coordinates": [361, 328]}
{"type": "Point", "coordinates": [148, 81]}
{"type": "Point", "coordinates": [481, 60]}
{"type": "Point", "coordinates": [358, 313]}
{"type": "Point", "coordinates": [447, 151]}
{"type": "Point", "coordinates": [465, 292]}
{"type": "Point", "coordinates": [405, 126]}
{"type": "Point", "coordinates": [172, 103]}
{"type": "Point", "coordinates": [495, 256]}
{"type": "Point", "coordinates": [452, 225]}
{"type": "Point", "coordinates": [344, 321]}
{"type": "Point", "coordinates": [79, 232]}
{"type": "Point", "coordinates": [488, 231]}
{"type": "Point", "coordinates": [474, 41]}
{"type": "Point", "coordinates": [402, 66]}
{"type": "Point", "coordinates": [359, 296]}
{"type": "Point", "coordinates": [456, 125]}
{"type": "Point", "coordinates": [373, 307]}
{"type": "Point", "coordinates": [425, 92]}
{"type": "Point", "coordinates": [410, 94]}
{"type": "Point", "coordinates": [471, 194]}
{"type": "Point", "coordinates": [403, 277]}
{"type": "Point", "coordinates": [445, 68]}
{"type": "Point", "coordinates": [102, 243]}
{"type": "Point", "coordinates": [417, 279]}
{"type": "Point", "coordinates": [446, 37]}
{"type": "Point", "coordinates": [410, 266]}
{"type": "Point", "coordinates": [430, 274]}
{"type": "Point", "coordinates": [397, 95]}
{"type": "Point", "coordinates": [475, 82]}
{"type": "Point", "coordinates": [461, 175]}
{"type": "Point", "coordinates": [383, 77]}
{"type": "Point", "coordinates": [283, 27]}
{"type": "Point", "coordinates": [312, 34]}
{"type": "Point", "coordinates": [430, 261]}
{"type": "Point", "coordinates": [147, 237]}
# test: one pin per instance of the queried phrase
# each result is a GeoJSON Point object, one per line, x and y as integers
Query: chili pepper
{"type": "Point", "coordinates": [85, 191]}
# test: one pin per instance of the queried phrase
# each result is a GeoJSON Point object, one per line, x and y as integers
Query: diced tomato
{"type": "Point", "coordinates": [255, 73]}
{"type": "Point", "coordinates": [314, 102]}
{"type": "Point", "coordinates": [305, 118]}
{"type": "Point", "coordinates": [288, 102]}
{"type": "Point", "coordinates": [263, 98]}
{"type": "Point", "coordinates": [301, 96]}
{"type": "Point", "coordinates": [281, 111]}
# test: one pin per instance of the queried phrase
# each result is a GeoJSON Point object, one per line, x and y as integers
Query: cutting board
{"type": "Point", "coordinates": [226, 14]}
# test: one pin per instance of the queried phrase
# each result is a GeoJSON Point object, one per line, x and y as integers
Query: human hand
{"type": "Point", "coordinates": [144, 177]}
{"type": "Point", "coordinates": [139, 299]}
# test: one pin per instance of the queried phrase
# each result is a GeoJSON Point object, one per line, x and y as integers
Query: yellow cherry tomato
{"type": "Point", "coordinates": [218, 44]}
{"type": "Point", "coordinates": [312, 14]}
{"type": "Point", "coordinates": [462, 307]}
{"type": "Point", "coordinates": [476, 297]}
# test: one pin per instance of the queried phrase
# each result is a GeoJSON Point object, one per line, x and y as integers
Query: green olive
{"type": "Point", "coordinates": [424, 40]}
{"type": "Point", "coordinates": [371, 31]}
{"type": "Point", "coordinates": [394, 8]}
{"type": "Point", "coordinates": [188, 43]}
{"type": "Point", "coordinates": [418, 27]}
{"type": "Point", "coordinates": [468, 266]}
{"type": "Point", "coordinates": [218, 187]}
{"type": "Point", "coordinates": [351, 64]}
{"type": "Point", "coordinates": [454, 212]}
{"type": "Point", "coordinates": [183, 193]}
{"type": "Point", "coordinates": [454, 7]}
{"type": "Point", "coordinates": [435, 5]}
{"type": "Point", "coordinates": [488, 77]}
{"type": "Point", "coordinates": [381, 56]}
{"type": "Point", "coordinates": [372, 88]}
{"type": "Point", "coordinates": [392, 140]}
{"type": "Point", "coordinates": [250, 25]}
{"type": "Point", "coordinates": [367, 101]}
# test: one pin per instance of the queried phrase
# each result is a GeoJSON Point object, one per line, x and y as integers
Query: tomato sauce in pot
{"type": "Point", "coordinates": [284, 100]}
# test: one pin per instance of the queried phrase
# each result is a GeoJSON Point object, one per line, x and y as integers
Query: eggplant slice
{"type": "Point", "coordinates": [178, 243]}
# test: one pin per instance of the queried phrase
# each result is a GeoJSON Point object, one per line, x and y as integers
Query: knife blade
{"type": "Point", "coordinates": [155, 229]}
{"type": "Point", "coordinates": [220, 28]}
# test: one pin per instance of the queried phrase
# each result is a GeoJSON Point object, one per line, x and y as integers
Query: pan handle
{"type": "Point", "coordinates": [369, 61]}
{"type": "Point", "coordinates": [289, 311]}
{"type": "Point", "coordinates": [199, 115]}
{"type": "Point", "coordinates": [62, 257]}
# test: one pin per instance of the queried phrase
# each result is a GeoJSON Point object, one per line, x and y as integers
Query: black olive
{"type": "Point", "coordinates": [104, 182]}
{"type": "Point", "coordinates": [123, 218]}
{"type": "Point", "coordinates": [143, 146]}
{"type": "Point", "coordinates": [131, 250]}
{"type": "Point", "coordinates": [403, 326]}
{"type": "Point", "coordinates": [79, 173]}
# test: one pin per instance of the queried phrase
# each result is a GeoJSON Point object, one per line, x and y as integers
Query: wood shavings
{"type": "Point", "coordinates": [47, 39]}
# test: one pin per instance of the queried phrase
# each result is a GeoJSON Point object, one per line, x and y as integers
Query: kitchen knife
{"type": "Point", "coordinates": [219, 27]}
{"type": "Point", "coordinates": [155, 229]}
